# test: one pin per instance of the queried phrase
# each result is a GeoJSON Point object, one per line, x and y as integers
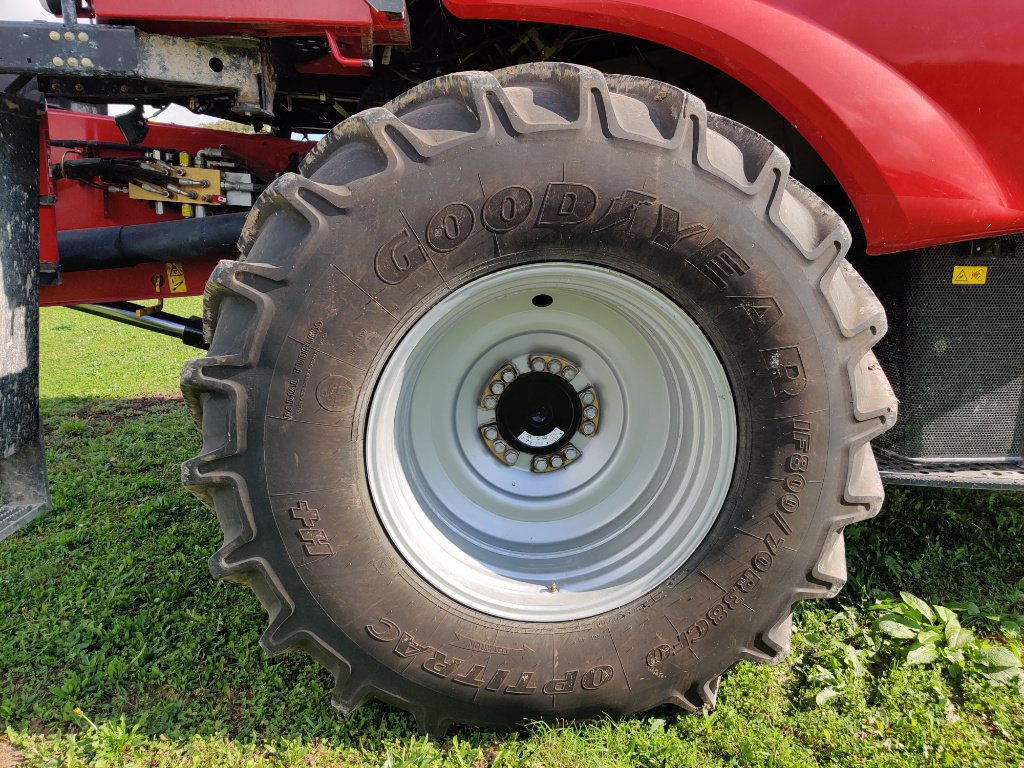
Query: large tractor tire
{"type": "Point", "coordinates": [537, 394]}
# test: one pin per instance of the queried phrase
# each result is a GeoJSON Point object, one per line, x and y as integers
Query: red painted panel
{"type": "Point", "coordinates": [916, 107]}
{"type": "Point", "coordinates": [313, 13]}
{"type": "Point", "coordinates": [99, 286]}
{"type": "Point", "coordinates": [353, 21]}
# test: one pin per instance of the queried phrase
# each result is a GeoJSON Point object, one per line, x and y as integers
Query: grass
{"type": "Point", "coordinates": [116, 647]}
{"type": "Point", "coordinates": [83, 356]}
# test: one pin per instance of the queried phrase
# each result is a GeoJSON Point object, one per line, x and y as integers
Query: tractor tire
{"type": "Point", "coordinates": [537, 394]}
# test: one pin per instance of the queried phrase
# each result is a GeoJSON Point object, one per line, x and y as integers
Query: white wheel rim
{"type": "Point", "coordinates": [588, 538]}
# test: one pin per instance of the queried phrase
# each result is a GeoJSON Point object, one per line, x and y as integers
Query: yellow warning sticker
{"type": "Point", "coordinates": [970, 275]}
{"type": "Point", "coordinates": [176, 277]}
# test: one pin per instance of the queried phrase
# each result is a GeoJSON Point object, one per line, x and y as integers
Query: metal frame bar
{"type": "Point", "coordinates": [107, 62]}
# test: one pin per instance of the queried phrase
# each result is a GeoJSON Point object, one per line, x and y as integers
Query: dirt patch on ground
{"type": "Point", "coordinates": [117, 412]}
{"type": "Point", "coordinates": [9, 756]}
{"type": "Point", "coordinates": [487, 759]}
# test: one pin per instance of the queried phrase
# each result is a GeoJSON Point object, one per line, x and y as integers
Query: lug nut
{"type": "Point", "coordinates": [589, 412]}
{"type": "Point", "coordinates": [497, 387]}
{"type": "Point", "coordinates": [588, 428]}
{"type": "Point", "coordinates": [571, 453]}
{"type": "Point", "coordinates": [509, 376]}
{"type": "Point", "coordinates": [587, 397]}
{"type": "Point", "coordinates": [537, 364]}
{"type": "Point", "coordinates": [557, 461]}
{"type": "Point", "coordinates": [491, 433]}
{"type": "Point", "coordinates": [499, 446]}
{"type": "Point", "coordinates": [540, 464]}
{"type": "Point", "coordinates": [569, 373]}
{"type": "Point", "coordinates": [490, 402]}
{"type": "Point", "coordinates": [555, 366]}
{"type": "Point", "coordinates": [511, 457]}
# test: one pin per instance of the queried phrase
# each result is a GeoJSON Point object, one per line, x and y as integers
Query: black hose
{"type": "Point", "coordinates": [163, 241]}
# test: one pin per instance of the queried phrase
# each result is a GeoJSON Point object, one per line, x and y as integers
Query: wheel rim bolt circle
{"type": "Point", "coordinates": [591, 412]}
{"type": "Point", "coordinates": [496, 386]}
{"type": "Point", "coordinates": [553, 462]}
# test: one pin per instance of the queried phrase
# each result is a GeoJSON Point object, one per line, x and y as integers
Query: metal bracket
{"type": "Point", "coordinates": [993, 476]}
{"type": "Point", "coordinates": [24, 493]}
{"type": "Point", "coordinates": [103, 61]}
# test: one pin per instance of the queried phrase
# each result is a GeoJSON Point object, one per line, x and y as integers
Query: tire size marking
{"type": "Point", "coordinates": [793, 482]}
{"type": "Point", "coordinates": [469, 644]}
{"type": "Point", "coordinates": [298, 377]}
{"type": "Point", "coordinates": [564, 205]}
{"type": "Point", "coordinates": [786, 367]}
{"type": "Point", "coordinates": [760, 563]}
{"type": "Point", "coordinates": [507, 681]}
{"type": "Point", "coordinates": [763, 312]}
{"type": "Point", "coordinates": [314, 540]}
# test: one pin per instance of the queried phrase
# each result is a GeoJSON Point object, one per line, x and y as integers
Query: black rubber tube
{"type": "Point", "coordinates": [125, 246]}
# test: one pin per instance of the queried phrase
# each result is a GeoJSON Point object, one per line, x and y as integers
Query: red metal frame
{"type": "Point", "coordinates": [142, 282]}
{"type": "Point", "coordinates": [83, 207]}
{"type": "Point", "coordinates": [916, 107]}
{"type": "Point", "coordinates": [353, 22]}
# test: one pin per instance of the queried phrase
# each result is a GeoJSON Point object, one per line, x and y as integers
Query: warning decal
{"type": "Point", "coordinates": [969, 275]}
{"type": "Point", "coordinates": [176, 277]}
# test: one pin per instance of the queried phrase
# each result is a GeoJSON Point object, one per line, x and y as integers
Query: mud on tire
{"type": "Point", "coordinates": [465, 179]}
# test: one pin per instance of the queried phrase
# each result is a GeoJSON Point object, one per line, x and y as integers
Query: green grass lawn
{"type": "Point", "coordinates": [116, 647]}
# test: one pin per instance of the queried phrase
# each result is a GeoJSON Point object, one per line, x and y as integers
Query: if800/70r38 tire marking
{"type": "Point", "coordinates": [451, 117]}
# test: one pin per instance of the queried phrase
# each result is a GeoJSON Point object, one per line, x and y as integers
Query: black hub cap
{"type": "Point", "coordinates": [539, 413]}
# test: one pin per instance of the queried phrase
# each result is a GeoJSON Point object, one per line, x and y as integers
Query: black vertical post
{"type": "Point", "coordinates": [23, 489]}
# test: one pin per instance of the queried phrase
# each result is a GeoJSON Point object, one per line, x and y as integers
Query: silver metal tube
{"type": "Point", "coordinates": [69, 10]}
{"type": "Point", "coordinates": [125, 313]}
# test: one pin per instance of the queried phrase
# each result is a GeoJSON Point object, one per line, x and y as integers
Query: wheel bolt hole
{"type": "Point", "coordinates": [542, 300]}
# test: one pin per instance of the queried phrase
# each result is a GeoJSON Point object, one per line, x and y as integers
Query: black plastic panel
{"type": "Point", "coordinates": [955, 352]}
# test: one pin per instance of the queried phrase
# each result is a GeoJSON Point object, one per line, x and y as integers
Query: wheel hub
{"type": "Point", "coordinates": [534, 416]}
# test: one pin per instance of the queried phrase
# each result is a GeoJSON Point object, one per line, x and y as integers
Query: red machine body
{"type": "Point", "coordinates": [917, 108]}
{"type": "Point", "coordinates": [355, 24]}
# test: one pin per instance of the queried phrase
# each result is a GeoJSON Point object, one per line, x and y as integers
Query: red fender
{"type": "Point", "coordinates": [917, 108]}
